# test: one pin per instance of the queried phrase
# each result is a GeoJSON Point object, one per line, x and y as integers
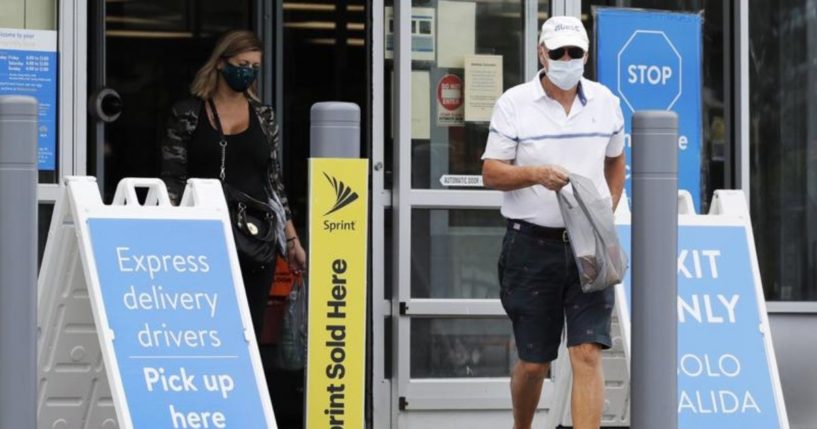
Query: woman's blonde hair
{"type": "Point", "coordinates": [232, 43]}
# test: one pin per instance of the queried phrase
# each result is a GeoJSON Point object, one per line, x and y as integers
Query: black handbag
{"type": "Point", "coordinates": [254, 222]}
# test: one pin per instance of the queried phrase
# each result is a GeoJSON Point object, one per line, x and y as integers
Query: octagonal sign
{"type": "Point", "coordinates": [649, 71]}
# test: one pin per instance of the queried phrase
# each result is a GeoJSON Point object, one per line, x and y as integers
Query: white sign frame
{"type": "Point", "coordinates": [79, 201]}
{"type": "Point", "coordinates": [728, 209]}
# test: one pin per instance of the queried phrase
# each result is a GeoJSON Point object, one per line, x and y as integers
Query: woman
{"type": "Point", "coordinates": [224, 132]}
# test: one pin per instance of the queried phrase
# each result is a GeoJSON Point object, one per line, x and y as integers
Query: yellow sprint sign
{"type": "Point", "coordinates": [338, 226]}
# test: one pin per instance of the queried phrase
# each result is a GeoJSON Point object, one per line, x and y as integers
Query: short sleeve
{"type": "Point", "coordinates": [502, 135]}
{"type": "Point", "coordinates": [616, 144]}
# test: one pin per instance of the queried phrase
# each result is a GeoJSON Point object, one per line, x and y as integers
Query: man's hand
{"type": "Point", "coordinates": [552, 177]}
{"type": "Point", "coordinates": [615, 173]}
{"type": "Point", "coordinates": [504, 176]}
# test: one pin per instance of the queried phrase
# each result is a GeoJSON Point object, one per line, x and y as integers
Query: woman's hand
{"type": "Point", "coordinates": [296, 256]}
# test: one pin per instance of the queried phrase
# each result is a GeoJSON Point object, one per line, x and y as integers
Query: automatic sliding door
{"type": "Point", "coordinates": [146, 52]}
{"type": "Point", "coordinates": [453, 345]}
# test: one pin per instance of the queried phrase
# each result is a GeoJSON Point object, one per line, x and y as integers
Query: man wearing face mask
{"type": "Point", "coordinates": [541, 130]}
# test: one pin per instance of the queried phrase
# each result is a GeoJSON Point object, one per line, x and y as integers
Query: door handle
{"type": "Point", "coordinates": [105, 104]}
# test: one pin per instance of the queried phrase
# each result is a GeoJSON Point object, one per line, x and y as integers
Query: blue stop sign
{"type": "Point", "coordinates": [649, 71]}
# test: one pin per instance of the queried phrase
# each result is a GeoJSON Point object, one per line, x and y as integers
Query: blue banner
{"type": "Point", "coordinates": [724, 375]}
{"type": "Point", "coordinates": [652, 61]}
{"type": "Point", "coordinates": [169, 298]}
{"type": "Point", "coordinates": [28, 66]}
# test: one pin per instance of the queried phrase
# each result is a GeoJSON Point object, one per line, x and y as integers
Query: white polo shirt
{"type": "Point", "coordinates": [530, 128]}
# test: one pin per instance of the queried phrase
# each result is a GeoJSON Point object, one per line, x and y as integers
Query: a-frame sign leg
{"type": "Point", "coordinates": [73, 384]}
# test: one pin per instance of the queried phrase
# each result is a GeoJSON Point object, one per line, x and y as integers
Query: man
{"type": "Point", "coordinates": [540, 131]}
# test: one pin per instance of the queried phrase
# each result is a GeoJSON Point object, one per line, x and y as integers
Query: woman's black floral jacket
{"type": "Point", "coordinates": [183, 120]}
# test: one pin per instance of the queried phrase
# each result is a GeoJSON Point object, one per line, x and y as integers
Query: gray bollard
{"type": "Point", "coordinates": [334, 130]}
{"type": "Point", "coordinates": [654, 316]}
{"type": "Point", "coordinates": [18, 262]}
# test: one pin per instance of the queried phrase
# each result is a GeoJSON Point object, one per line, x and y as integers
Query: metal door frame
{"type": "Point", "coordinates": [71, 95]}
{"type": "Point", "coordinates": [402, 199]}
{"type": "Point", "coordinates": [391, 397]}
{"type": "Point", "coordinates": [381, 198]}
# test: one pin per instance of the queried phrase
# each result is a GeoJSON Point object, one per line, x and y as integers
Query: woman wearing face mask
{"type": "Point", "coordinates": [223, 132]}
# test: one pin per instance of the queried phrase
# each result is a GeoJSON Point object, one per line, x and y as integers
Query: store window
{"type": "Point", "coordinates": [451, 139]}
{"type": "Point", "coordinates": [450, 114]}
{"type": "Point", "coordinates": [542, 14]}
{"type": "Point", "coordinates": [454, 253]}
{"type": "Point", "coordinates": [31, 69]}
{"type": "Point", "coordinates": [44, 213]}
{"type": "Point", "coordinates": [325, 50]}
{"type": "Point", "coordinates": [467, 348]}
{"type": "Point", "coordinates": [148, 52]}
{"type": "Point", "coordinates": [783, 146]}
{"type": "Point", "coordinates": [464, 55]}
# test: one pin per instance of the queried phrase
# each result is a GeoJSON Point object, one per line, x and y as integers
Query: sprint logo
{"type": "Point", "coordinates": [343, 194]}
{"type": "Point", "coordinates": [343, 197]}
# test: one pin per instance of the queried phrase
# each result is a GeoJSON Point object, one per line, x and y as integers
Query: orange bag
{"type": "Point", "coordinates": [276, 303]}
{"type": "Point", "coordinates": [282, 283]}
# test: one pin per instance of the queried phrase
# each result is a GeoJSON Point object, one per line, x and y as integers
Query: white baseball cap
{"type": "Point", "coordinates": [560, 31]}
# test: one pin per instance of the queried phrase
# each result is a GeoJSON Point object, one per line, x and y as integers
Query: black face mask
{"type": "Point", "coordinates": [239, 78]}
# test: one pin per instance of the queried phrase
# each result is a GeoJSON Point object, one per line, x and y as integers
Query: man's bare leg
{"type": "Point", "coordinates": [526, 386]}
{"type": "Point", "coordinates": [587, 399]}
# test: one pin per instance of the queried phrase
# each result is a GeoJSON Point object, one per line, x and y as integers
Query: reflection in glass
{"type": "Point", "coordinates": [152, 50]}
{"type": "Point", "coordinates": [783, 146]}
{"type": "Point", "coordinates": [43, 16]}
{"type": "Point", "coordinates": [542, 15]}
{"type": "Point", "coordinates": [454, 253]}
{"type": "Point", "coordinates": [44, 213]}
{"type": "Point", "coordinates": [443, 348]}
{"type": "Point", "coordinates": [441, 143]}
{"type": "Point", "coordinates": [326, 54]}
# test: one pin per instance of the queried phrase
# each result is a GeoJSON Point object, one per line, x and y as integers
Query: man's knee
{"type": "Point", "coordinates": [585, 357]}
{"type": "Point", "coordinates": [532, 370]}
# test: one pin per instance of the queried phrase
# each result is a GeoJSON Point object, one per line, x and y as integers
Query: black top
{"type": "Point", "coordinates": [245, 161]}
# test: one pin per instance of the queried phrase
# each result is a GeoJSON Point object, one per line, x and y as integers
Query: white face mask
{"type": "Point", "coordinates": [565, 74]}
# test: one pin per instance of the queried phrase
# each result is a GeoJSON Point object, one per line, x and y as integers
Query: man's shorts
{"type": "Point", "coordinates": [539, 289]}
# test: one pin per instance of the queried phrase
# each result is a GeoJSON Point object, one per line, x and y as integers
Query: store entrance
{"type": "Point", "coordinates": [143, 54]}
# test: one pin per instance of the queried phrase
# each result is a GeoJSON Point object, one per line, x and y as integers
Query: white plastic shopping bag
{"type": "Point", "coordinates": [591, 227]}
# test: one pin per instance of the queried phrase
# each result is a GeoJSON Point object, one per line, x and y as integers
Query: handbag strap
{"type": "Point", "coordinates": [222, 172]}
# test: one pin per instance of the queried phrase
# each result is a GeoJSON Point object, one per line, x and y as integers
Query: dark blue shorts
{"type": "Point", "coordinates": [539, 289]}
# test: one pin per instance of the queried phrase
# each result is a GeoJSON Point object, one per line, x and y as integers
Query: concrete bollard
{"type": "Point", "coordinates": [18, 262]}
{"type": "Point", "coordinates": [334, 130]}
{"type": "Point", "coordinates": [654, 362]}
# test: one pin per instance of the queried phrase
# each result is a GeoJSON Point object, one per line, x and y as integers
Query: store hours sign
{"type": "Point", "coordinates": [28, 66]}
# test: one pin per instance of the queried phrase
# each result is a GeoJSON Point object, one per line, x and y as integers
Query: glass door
{"type": "Point", "coordinates": [445, 63]}
{"type": "Point", "coordinates": [142, 56]}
